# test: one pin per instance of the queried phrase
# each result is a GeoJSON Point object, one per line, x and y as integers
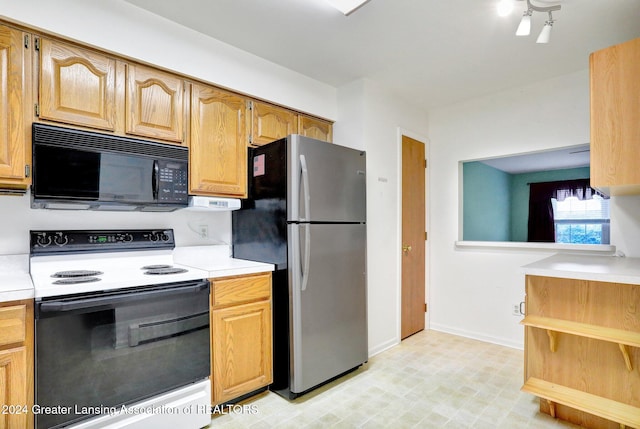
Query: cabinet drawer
{"type": "Point", "coordinates": [12, 324]}
{"type": "Point", "coordinates": [236, 290]}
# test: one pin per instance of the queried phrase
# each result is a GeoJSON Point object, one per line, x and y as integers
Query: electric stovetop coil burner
{"type": "Point", "coordinates": [165, 271]}
{"type": "Point", "coordinates": [76, 273]}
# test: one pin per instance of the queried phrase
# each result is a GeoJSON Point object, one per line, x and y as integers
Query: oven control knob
{"type": "Point", "coordinates": [60, 239]}
{"type": "Point", "coordinates": [128, 237]}
{"type": "Point", "coordinates": [154, 236]}
{"type": "Point", "coordinates": [43, 240]}
{"type": "Point", "coordinates": [164, 237]}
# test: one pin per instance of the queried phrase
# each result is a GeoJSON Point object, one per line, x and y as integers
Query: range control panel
{"type": "Point", "coordinates": [53, 242]}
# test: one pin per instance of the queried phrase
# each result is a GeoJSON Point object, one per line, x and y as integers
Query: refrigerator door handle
{"type": "Point", "coordinates": [307, 256]}
{"type": "Point", "coordinates": [305, 187]}
{"type": "Point", "coordinates": [307, 230]}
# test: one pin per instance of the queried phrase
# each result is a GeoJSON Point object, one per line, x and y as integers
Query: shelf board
{"type": "Point", "coordinates": [606, 408]}
{"type": "Point", "coordinates": [613, 335]}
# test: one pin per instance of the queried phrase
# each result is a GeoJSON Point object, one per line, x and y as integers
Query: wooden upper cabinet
{"type": "Point", "coordinates": [315, 128]}
{"type": "Point", "coordinates": [271, 123]}
{"type": "Point", "coordinates": [154, 101]}
{"type": "Point", "coordinates": [615, 118]}
{"type": "Point", "coordinates": [218, 142]}
{"type": "Point", "coordinates": [15, 141]}
{"type": "Point", "coordinates": [77, 86]}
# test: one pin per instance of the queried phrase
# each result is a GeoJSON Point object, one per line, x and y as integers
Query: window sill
{"type": "Point", "coordinates": [556, 247]}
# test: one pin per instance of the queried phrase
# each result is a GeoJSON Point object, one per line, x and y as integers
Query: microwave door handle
{"type": "Point", "coordinates": [155, 179]}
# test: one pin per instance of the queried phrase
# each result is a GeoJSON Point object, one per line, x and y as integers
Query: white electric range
{"type": "Point", "coordinates": [122, 333]}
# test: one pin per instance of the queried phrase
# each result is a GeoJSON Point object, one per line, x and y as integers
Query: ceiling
{"type": "Point", "coordinates": [567, 157]}
{"type": "Point", "coordinates": [433, 53]}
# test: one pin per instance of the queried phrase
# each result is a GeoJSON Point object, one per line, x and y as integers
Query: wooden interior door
{"type": "Point", "coordinates": [413, 237]}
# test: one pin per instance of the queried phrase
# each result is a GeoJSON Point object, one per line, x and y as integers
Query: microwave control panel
{"type": "Point", "coordinates": [173, 183]}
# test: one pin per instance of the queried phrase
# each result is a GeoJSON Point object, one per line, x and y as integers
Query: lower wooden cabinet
{"type": "Point", "coordinates": [582, 350]}
{"type": "Point", "coordinates": [16, 364]}
{"type": "Point", "coordinates": [241, 350]}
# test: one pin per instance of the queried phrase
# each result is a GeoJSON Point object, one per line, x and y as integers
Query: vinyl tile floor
{"type": "Point", "coordinates": [430, 380]}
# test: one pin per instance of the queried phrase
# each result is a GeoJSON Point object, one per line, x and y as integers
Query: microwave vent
{"type": "Point", "coordinates": [71, 138]}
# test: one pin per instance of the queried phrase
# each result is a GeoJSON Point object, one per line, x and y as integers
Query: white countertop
{"type": "Point", "coordinates": [15, 281]}
{"type": "Point", "coordinates": [610, 269]}
{"type": "Point", "coordinates": [217, 261]}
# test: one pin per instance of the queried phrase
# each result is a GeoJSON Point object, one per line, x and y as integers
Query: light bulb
{"type": "Point", "coordinates": [524, 29]}
{"type": "Point", "coordinates": [545, 34]}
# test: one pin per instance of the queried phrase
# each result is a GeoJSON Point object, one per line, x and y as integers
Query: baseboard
{"type": "Point", "coordinates": [383, 346]}
{"type": "Point", "coordinates": [477, 336]}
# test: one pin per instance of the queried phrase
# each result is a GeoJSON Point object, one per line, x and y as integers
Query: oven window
{"type": "Point", "coordinates": [106, 355]}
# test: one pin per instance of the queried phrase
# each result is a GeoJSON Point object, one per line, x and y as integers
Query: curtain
{"type": "Point", "coordinates": [541, 223]}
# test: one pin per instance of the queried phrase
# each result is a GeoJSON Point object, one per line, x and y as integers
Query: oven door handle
{"type": "Point", "coordinates": [101, 301]}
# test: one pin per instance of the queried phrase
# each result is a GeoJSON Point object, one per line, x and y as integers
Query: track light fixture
{"type": "Point", "coordinates": [524, 29]}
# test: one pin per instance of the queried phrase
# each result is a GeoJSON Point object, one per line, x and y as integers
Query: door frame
{"type": "Point", "coordinates": [427, 278]}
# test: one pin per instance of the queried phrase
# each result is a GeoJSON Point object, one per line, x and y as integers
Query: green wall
{"type": "Point", "coordinates": [486, 203]}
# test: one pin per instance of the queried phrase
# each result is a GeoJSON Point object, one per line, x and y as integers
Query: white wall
{"type": "Point", "coordinates": [472, 291]}
{"type": "Point", "coordinates": [369, 118]}
{"type": "Point", "coordinates": [128, 30]}
{"type": "Point", "coordinates": [124, 29]}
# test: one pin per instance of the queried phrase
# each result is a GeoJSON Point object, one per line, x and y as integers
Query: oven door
{"type": "Point", "coordinates": [117, 347]}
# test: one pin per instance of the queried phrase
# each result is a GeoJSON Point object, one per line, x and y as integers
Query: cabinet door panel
{"type": "Point", "coordinates": [218, 148]}
{"type": "Point", "coordinates": [154, 104]}
{"type": "Point", "coordinates": [13, 373]}
{"type": "Point", "coordinates": [77, 86]}
{"type": "Point", "coordinates": [241, 355]}
{"type": "Point", "coordinates": [615, 118]}
{"type": "Point", "coordinates": [315, 128]}
{"type": "Point", "coordinates": [13, 131]}
{"type": "Point", "coordinates": [271, 123]}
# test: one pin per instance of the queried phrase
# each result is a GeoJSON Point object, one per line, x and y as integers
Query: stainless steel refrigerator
{"type": "Point", "coordinates": [306, 213]}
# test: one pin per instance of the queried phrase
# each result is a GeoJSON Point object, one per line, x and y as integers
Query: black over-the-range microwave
{"type": "Point", "coordinates": [74, 169]}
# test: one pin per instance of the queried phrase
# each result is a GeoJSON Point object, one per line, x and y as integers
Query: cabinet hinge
{"type": "Point", "coordinates": [27, 41]}
{"type": "Point", "coordinates": [27, 170]}
{"type": "Point", "coordinates": [36, 108]}
{"type": "Point", "coordinates": [426, 236]}
{"type": "Point", "coordinates": [36, 43]}
{"type": "Point", "coordinates": [425, 163]}
{"type": "Point", "coordinates": [250, 139]}
{"type": "Point", "coordinates": [425, 307]}
{"type": "Point", "coordinates": [249, 104]}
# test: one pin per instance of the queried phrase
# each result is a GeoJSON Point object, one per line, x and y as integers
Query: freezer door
{"type": "Point", "coordinates": [327, 182]}
{"type": "Point", "coordinates": [328, 312]}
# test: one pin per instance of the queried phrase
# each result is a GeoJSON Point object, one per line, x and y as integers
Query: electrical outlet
{"type": "Point", "coordinates": [515, 310]}
{"type": "Point", "coordinates": [204, 231]}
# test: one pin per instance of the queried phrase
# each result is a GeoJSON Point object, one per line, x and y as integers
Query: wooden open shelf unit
{"type": "Point", "coordinates": [576, 332]}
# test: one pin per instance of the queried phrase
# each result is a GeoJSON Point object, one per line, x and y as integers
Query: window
{"type": "Point", "coordinates": [581, 221]}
